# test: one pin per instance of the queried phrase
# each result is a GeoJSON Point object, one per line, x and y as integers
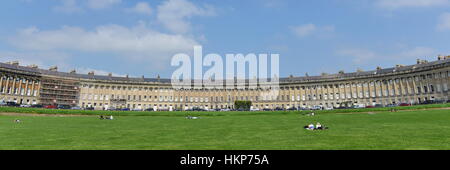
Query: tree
{"type": "Point", "coordinates": [245, 105]}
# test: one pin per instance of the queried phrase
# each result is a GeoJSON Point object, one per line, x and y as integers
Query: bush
{"type": "Point", "coordinates": [243, 105]}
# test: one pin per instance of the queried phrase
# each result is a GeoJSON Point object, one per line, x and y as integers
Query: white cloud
{"type": "Point", "coordinates": [444, 22]}
{"type": "Point", "coordinates": [304, 30]}
{"type": "Point", "coordinates": [359, 56]}
{"type": "Point", "coordinates": [68, 6]}
{"type": "Point", "coordinates": [365, 56]}
{"type": "Point", "coordinates": [75, 6]}
{"type": "Point", "coordinates": [173, 14]}
{"type": "Point", "coordinates": [309, 29]}
{"type": "Point", "coordinates": [141, 8]}
{"type": "Point", "coordinates": [101, 4]}
{"type": "Point", "coordinates": [138, 43]}
{"type": "Point", "coordinates": [84, 70]}
{"type": "Point", "coordinates": [397, 4]}
{"type": "Point", "coordinates": [417, 52]}
{"type": "Point", "coordinates": [42, 59]}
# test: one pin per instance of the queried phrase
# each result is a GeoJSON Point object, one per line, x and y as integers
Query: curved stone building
{"type": "Point", "coordinates": [413, 84]}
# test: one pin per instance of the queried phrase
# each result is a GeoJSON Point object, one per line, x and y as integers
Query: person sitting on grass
{"type": "Point", "coordinates": [111, 117]}
{"type": "Point", "coordinates": [319, 126]}
{"type": "Point", "coordinates": [17, 121]}
{"type": "Point", "coordinates": [311, 127]}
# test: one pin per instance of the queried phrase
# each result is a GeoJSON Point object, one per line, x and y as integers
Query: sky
{"type": "Point", "coordinates": [139, 37]}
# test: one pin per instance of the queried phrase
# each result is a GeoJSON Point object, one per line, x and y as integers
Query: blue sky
{"type": "Point", "coordinates": [139, 37]}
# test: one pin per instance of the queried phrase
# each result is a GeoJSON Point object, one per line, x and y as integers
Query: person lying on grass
{"type": "Point", "coordinates": [106, 117]}
{"type": "Point", "coordinates": [318, 126]}
{"type": "Point", "coordinates": [191, 117]}
{"type": "Point", "coordinates": [309, 127]}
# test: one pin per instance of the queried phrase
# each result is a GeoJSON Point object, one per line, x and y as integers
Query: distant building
{"type": "Point", "coordinates": [417, 83]}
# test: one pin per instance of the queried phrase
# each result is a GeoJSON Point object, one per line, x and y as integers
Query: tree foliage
{"type": "Point", "coordinates": [245, 105]}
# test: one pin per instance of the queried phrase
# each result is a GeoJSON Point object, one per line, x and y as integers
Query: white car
{"type": "Point", "coordinates": [317, 108]}
{"type": "Point", "coordinates": [328, 108]}
{"type": "Point", "coordinates": [25, 105]}
{"type": "Point", "coordinates": [254, 110]}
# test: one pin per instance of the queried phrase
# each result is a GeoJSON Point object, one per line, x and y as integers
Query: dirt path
{"type": "Point", "coordinates": [43, 115]}
{"type": "Point", "coordinates": [409, 110]}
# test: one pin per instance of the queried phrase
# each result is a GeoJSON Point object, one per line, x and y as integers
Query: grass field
{"type": "Point", "coordinates": [420, 129]}
{"type": "Point", "coordinates": [135, 113]}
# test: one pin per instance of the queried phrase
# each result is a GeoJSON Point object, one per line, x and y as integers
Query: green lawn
{"type": "Point", "coordinates": [419, 129]}
{"type": "Point", "coordinates": [137, 113]}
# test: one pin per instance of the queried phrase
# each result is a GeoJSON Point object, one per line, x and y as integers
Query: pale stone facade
{"type": "Point", "coordinates": [19, 86]}
{"type": "Point", "coordinates": [401, 84]}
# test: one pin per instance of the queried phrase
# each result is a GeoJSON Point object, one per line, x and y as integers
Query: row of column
{"type": "Point", "coordinates": [12, 85]}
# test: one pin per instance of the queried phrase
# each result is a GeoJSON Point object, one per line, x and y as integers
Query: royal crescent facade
{"type": "Point", "coordinates": [423, 81]}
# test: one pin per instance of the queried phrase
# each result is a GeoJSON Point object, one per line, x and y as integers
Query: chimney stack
{"type": "Point", "coordinates": [14, 63]}
{"type": "Point", "coordinates": [73, 71]}
{"type": "Point", "coordinates": [91, 73]}
{"type": "Point", "coordinates": [54, 68]}
{"type": "Point", "coordinates": [33, 66]}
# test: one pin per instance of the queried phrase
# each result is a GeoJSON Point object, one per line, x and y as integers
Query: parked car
{"type": "Point", "coordinates": [197, 109]}
{"type": "Point", "coordinates": [137, 109]}
{"type": "Point", "coordinates": [12, 104]}
{"type": "Point", "coordinates": [379, 105]}
{"type": "Point", "coordinates": [358, 106]}
{"type": "Point", "coordinates": [25, 105]}
{"type": "Point", "coordinates": [75, 108]}
{"type": "Point", "coordinates": [292, 109]}
{"type": "Point", "coordinates": [343, 107]}
{"type": "Point", "coordinates": [50, 106]}
{"type": "Point", "coordinates": [3, 103]}
{"type": "Point", "coordinates": [125, 109]}
{"type": "Point", "coordinates": [370, 106]}
{"type": "Point", "coordinates": [267, 109]}
{"type": "Point", "coordinates": [89, 108]}
{"type": "Point", "coordinates": [279, 109]}
{"type": "Point", "coordinates": [328, 108]}
{"type": "Point", "coordinates": [37, 106]}
{"type": "Point", "coordinates": [391, 105]}
{"type": "Point", "coordinates": [254, 110]}
{"type": "Point", "coordinates": [404, 104]}
{"type": "Point", "coordinates": [303, 108]}
{"type": "Point", "coordinates": [63, 106]}
{"type": "Point", "coordinates": [111, 109]}
{"type": "Point", "coordinates": [149, 110]}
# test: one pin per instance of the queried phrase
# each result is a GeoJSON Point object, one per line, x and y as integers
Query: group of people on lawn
{"type": "Point", "coordinates": [318, 126]}
{"type": "Point", "coordinates": [106, 117]}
